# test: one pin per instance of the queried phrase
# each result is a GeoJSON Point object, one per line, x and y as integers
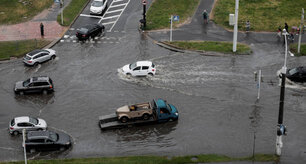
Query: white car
{"type": "Point", "coordinates": [17, 124]}
{"type": "Point", "coordinates": [98, 6]}
{"type": "Point", "coordinates": [38, 56]}
{"type": "Point", "coordinates": [140, 68]}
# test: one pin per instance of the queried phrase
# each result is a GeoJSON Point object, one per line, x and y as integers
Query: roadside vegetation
{"type": "Point", "coordinates": [263, 15]}
{"type": "Point", "coordinates": [71, 11]}
{"type": "Point", "coordinates": [154, 160]}
{"type": "Point", "coordinates": [20, 48]}
{"type": "Point", "coordinates": [294, 49]}
{"type": "Point", "coordinates": [160, 12]}
{"type": "Point", "coordinates": [222, 47]}
{"type": "Point", "coordinates": [16, 11]}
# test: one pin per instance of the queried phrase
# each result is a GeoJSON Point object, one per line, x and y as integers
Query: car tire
{"type": "Point", "coordinates": [128, 75]}
{"type": "Point", "coordinates": [45, 92]}
{"type": "Point", "coordinates": [15, 133]}
{"type": "Point", "coordinates": [151, 74]}
{"type": "Point", "coordinates": [124, 119]}
{"type": "Point", "coordinates": [62, 148]}
{"type": "Point", "coordinates": [32, 150]}
{"type": "Point", "coordinates": [171, 119]}
{"type": "Point", "coordinates": [40, 129]}
{"type": "Point", "coordinates": [145, 116]}
{"type": "Point", "coordinates": [35, 64]}
{"type": "Point", "coordinates": [21, 93]}
{"type": "Point", "coordinates": [53, 57]}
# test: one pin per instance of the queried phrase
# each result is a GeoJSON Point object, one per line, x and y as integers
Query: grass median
{"type": "Point", "coordinates": [155, 160]}
{"type": "Point", "coordinates": [160, 11]}
{"type": "Point", "coordinates": [71, 11]}
{"type": "Point", "coordinates": [16, 11]}
{"type": "Point", "coordinates": [222, 47]}
{"type": "Point", "coordinates": [294, 49]}
{"type": "Point", "coordinates": [263, 15]}
{"type": "Point", "coordinates": [19, 48]}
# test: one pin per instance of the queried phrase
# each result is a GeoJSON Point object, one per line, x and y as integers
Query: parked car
{"type": "Point", "coordinates": [139, 68]}
{"type": "Point", "coordinates": [90, 31]}
{"type": "Point", "coordinates": [17, 124]}
{"type": "Point", "coordinates": [41, 84]}
{"type": "Point", "coordinates": [98, 6]}
{"type": "Point", "coordinates": [38, 56]}
{"type": "Point", "coordinates": [297, 74]}
{"type": "Point", "coordinates": [46, 140]}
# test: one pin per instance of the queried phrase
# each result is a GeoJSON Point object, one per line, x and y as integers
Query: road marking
{"type": "Point", "coordinates": [62, 40]}
{"type": "Point", "coordinates": [113, 11]}
{"type": "Point", "coordinates": [92, 16]}
{"type": "Point", "coordinates": [108, 23]}
{"type": "Point", "coordinates": [66, 36]}
{"type": "Point", "coordinates": [110, 17]}
{"type": "Point", "coordinates": [118, 0]}
{"type": "Point", "coordinates": [118, 5]}
{"type": "Point", "coordinates": [71, 29]}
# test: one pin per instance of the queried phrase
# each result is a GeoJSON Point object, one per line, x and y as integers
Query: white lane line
{"type": "Point", "coordinates": [119, 15]}
{"type": "Point", "coordinates": [92, 16]}
{"type": "Point", "coordinates": [118, 5]}
{"type": "Point", "coordinates": [118, 0]}
{"type": "Point", "coordinates": [66, 36]}
{"type": "Point", "coordinates": [108, 23]}
{"type": "Point", "coordinates": [110, 17]}
{"type": "Point", "coordinates": [113, 11]}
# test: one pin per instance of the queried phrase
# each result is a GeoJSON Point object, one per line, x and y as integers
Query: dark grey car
{"type": "Point", "coordinates": [46, 140]}
{"type": "Point", "coordinates": [41, 84]}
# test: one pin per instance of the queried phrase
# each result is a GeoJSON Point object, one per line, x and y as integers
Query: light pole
{"type": "Point", "coordinates": [235, 26]}
{"type": "Point", "coordinates": [281, 129]}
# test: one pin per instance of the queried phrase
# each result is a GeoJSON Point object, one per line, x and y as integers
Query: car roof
{"type": "Point", "coordinates": [22, 119]}
{"type": "Point", "coordinates": [34, 52]}
{"type": "Point", "coordinates": [143, 63]}
{"type": "Point", "coordinates": [98, 0]}
{"type": "Point", "coordinates": [38, 134]}
{"type": "Point", "coordinates": [40, 78]}
{"type": "Point", "coordinates": [161, 103]}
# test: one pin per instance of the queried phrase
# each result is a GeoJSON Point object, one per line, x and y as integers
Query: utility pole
{"type": "Point", "coordinates": [301, 28]}
{"type": "Point", "coordinates": [281, 129]}
{"type": "Point", "coordinates": [171, 22]}
{"type": "Point", "coordinates": [235, 26]}
{"type": "Point", "coordinates": [62, 13]}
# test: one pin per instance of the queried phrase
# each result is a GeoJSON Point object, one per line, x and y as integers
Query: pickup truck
{"type": "Point", "coordinates": [161, 112]}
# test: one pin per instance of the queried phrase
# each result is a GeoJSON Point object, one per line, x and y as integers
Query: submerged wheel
{"type": "Point", "coordinates": [32, 150]}
{"type": "Point", "coordinates": [21, 93]}
{"type": "Point", "coordinates": [15, 133]}
{"type": "Point", "coordinates": [124, 119]}
{"type": "Point", "coordinates": [53, 57]}
{"type": "Point", "coordinates": [45, 92]}
{"type": "Point", "coordinates": [35, 64]}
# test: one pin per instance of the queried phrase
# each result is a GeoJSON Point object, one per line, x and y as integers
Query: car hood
{"type": "Point", "coordinates": [42, 123]}
{"type": "Point", "coordinates": [126, 68]}
{"type": "Point", "coordinates": [174, 110]}
{"type": "Point", "coordinates": [64, 139]}
{"type": "Point", "coordinates": [123, 109]}
{"type": "Point", "coordinates": [51, 51]}
{"type": "Point", "coordinates": [93, 8]}
{"type": "Point", "coordinates": [19, 85]}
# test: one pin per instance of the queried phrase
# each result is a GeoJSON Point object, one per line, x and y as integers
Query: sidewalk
{"type": "Point", "coordinates": [31, 29]}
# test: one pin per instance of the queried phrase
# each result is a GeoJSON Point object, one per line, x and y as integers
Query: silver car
{"type": "Point", "coordinates": [36, 57]}
{"type": "Point", "coordinates": [17, 124]}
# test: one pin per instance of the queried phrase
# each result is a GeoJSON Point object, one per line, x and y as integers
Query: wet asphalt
{"type": "Point", "coordinates": [215, 96]}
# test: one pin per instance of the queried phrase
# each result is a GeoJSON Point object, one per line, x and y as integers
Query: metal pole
{"type": "Point", "coordinates": [301, 28]}
{"type": "Point", "coordinates": [259, 82]}
{"type": "Point", "coordinates": [144, 14]}
{"type": "Point", "coordinates": [62, 13]}
{"type": "Point", "coordinates": [24, 148]}
{"type": "Point", "coordinates": [235, 26]}
{"type": "Point", "coordinates": [171, 28]}
{"type": "Point", "coordinates": [279, 143]}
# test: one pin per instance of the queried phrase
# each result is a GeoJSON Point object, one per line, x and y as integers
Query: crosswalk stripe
{"type": "Point", "coordinates": [123, 4]}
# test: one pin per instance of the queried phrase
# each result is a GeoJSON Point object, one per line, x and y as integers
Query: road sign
{"type": "Point", "coordinates": [144, 2]}
{"type": "Point", "coordinates": [176, 18]}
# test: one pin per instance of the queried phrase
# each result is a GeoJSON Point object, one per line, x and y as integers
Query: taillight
{"type": "Point", "coordinates": [11, 128]}
{"type": "Point", "coordinates": [50, 86]}
{"type": "Point", "coordinates": [153, 70]}
{"type": "Point", "coordinates": [84, 35]}
{"type": "Point", "coordinates": [30, 61]}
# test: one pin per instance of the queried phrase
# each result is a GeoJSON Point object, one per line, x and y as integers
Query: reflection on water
{"type": "Point", "coordinates": [38, 100]}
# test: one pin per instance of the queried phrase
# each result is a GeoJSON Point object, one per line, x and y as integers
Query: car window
{"type": "Point", "coordinates": [41, 83]}
{"type": "Point", "coordinates": [145, 67]}
{"type": "Point", "coordinates": [26, 83]}
{"type": "Point", "coordinates": [24, 124]}
{"type": "Point", "coordinates": [28, 58]}
{"type": "Point", "coordinates": [84, 30]}
{"type": "Point", "coordinates": [293, 71]}
{"type": "Point", "coordinates": [31, 85]}
{"type": "Point", "coordinates": [44, 54]}
{"type": "Point", "coordinates": [153, 65]}
{"type": "Point", "coordinates": [163, 110]}
{"type": "Point", "coordinates": [97, 3]}
{"type": "Point", "coordinates": [137, 68]}
{"type": "Point", "coordinates": [33, 120]}
{"type": "Point", "coordinates": [133, 65]}
{"type": "Point", "coordinates": [38, 140]}
{"type": "Point", "coordinates": [37, 56]}
{"type": "Point", "coordinates": [53, 136]}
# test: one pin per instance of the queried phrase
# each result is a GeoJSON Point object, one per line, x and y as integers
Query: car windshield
{"type": "Point", "coordinates": [28, 58]}
{"type": "Point", "coordinates": [97, 3]}
{"type": "Point", "coordinates": [53, 136]}
{"type": "Point", "coordinates": [84, 30]}
{"type": "Point", "coordinates": [169, 107]}
{"type": "Point", "coordinates": [26, 83]}
{"type": "Point", "coordinates": [293, 71]}
{"type": "Point", "coordinates": [132, 66]}
{"type": "Point", "coordinates": [33, 121]}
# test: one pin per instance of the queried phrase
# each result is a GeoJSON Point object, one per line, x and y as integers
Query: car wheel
{"type": "Point", "coordinates": [124, 119]}
{"type": "Point", "coordinates": [21, 93]}
{"type": "Point", "coordinates": [40, 129]}
{"type": "Point", "coordinates": [151, 74]}
{"type": "Point", "coordinates": [62, 148]}
{"type": "Point", "coordinates": [171, 119]}
{"type": "Point", "coordinates": [35, 64]}
{"type": "Point", "coordinates": [53, 57]}
{"type": "Point", "coordinates": [45, 92]}
{"type": "Point", "coordinates": [15, 133]}
{"type": "Point", "coordinates": [128, 75]}
{"type": "Point", "coordinates": [32, 150]}
{"type": "Point", "coordinates": [146, 116]}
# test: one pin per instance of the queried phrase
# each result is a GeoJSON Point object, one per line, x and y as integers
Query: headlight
{"type": "Point", "coordinates": [67, 143]}
{"type": "Point", "coordinates": [176, 113]}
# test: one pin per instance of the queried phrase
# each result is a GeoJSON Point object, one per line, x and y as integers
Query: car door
{"type": "Point", "coordinates": [30, 88]}
{"type": "Point", "coordinates": [136, 71]}
{"type": "Point", "coordinates": [164, 114]}
{"type": "Point", "coordinates": [25, 125]}
{"type": "Point", "coordinates": [37, 87]}
{"type": "Point", "coordinates": [44, 57]}
{"type": "Point", "coordinates": [37, 58]}
{"type": "Point", "coordinates": [144, 70]}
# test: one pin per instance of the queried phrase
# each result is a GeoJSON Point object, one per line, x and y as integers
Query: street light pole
{"type": "Point", "coordinates": [144, 3]}
{"type": "Point", "coordinates": [235, 26]}
{"type": "Point", "coordinates": [281, 129]}
{"type": "Point", "coordinates": [301, 28]}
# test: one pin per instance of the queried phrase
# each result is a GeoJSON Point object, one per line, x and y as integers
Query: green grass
{"type": "Point", "coordinates": [294, 49]}
{"type": "Point", "coordinates": [153, 160]}
{"type": "Point", "coordinates": [71, 11]}
{"type": "Point", "coordinates": [264, 15]}
{"type": "Point", "coordinates": [20, 48]}
{"type": "Point", "coordinates": [13, 11]}
{"type": "Point", "coordinates": [160, 11]}
{"type": "Point", "coordinates": [223, 47]}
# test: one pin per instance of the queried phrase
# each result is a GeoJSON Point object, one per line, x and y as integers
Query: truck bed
{"type": "Point", "coordinates": [111, 122]}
